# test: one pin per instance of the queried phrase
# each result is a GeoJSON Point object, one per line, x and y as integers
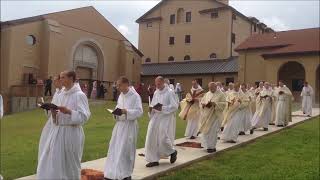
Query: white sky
{"type": "Point", "coordinates": [280, 15]}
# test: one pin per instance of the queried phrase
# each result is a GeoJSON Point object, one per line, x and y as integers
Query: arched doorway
{"type": "Point", "coordinates": [88, 64]}
{"type": "Point", "coordinates": [317, 88]}
{"type": "Point", "coordinates": [293, 75]}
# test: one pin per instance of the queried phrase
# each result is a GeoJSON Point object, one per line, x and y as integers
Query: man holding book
{"type": "Point", "coordinates": [122, 146]}
{"type": "Point", "coordinates": [159, 142]}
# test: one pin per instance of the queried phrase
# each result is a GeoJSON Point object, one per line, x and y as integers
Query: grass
{"type": "Point", "coordinates": [289, 154]}
{"type": "Point", "coordinates": [20, 134]}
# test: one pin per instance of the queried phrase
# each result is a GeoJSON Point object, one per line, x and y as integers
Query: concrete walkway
{"type": "Point", "coordinates": [187, 156]}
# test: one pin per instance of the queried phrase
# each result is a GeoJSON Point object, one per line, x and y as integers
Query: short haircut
{"type": "Point", "coordinates": [124, 80]}
{"type": "Point", "coordinates": [71, 74]}
{"type": "Point", "coordinates": [160, 78]}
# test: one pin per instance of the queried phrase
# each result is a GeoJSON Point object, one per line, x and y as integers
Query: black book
{"type": "Point", "coordinates": [48, 106]}
{"type": "Point", "coordinates": [117, 112]}
{"type": "Point", "coordinates": [157, 106]}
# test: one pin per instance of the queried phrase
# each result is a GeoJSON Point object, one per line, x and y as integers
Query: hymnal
{"type": "Point", "coordinates": [157, 106]}
{"type": "Point", "coordinates": [48, 106]}
{"type": "Point", "coordinates": [117, 112]}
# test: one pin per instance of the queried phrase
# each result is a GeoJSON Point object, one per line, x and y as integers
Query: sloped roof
{"type": "Point", "coordinates": [140, 19]}
{"type": "Point", "coordinates": [192, 67]}
{"type": "Point", "coordinates": [106, 29]}
{"type": "Point", "coordinates": [285, 42]}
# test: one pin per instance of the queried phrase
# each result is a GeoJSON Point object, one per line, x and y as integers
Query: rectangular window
{"type": "Point", "coordinates": [233, 38]}
{"type": "Point", "coordinates": [188, 17]}
{"type": "Point", "coordinates": [172, 19]}
{"type": "Point", "coordinates": [149, 24]}
{"type": "Point", "coordinates": [214, 14]}
{"type": "Point", "coordinates": [187, 39]}
{"type": "Point", "coordinates": [171, 40]}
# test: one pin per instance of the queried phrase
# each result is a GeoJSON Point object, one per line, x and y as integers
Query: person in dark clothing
{"type": "Point", "coordinates": [115, 91]}
{"type": "Point", "coordinates": [48, 86]}
{"type": "Point", "coordinates": [102, 90]}
{"type": "Point", "coordinates": [151, 90]}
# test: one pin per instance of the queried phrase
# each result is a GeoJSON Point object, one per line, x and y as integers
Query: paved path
{"type": "Point", "coordinates": [187, 156]}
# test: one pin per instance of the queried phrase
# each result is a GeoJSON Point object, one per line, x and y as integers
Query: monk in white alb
{"type": "Point", "coordinates": [264, 109]}
{"type": "Point", "coordinates": [230, 88]}
{"type": "Point", "coordinates": [163, 107]}
{"type": "Point", "coordinates": [246, 111]}
{"type": "Point", "coordinates": [284, 103]}
{"type": "Point", "coordinates": [212, 106]}
{"type": "Point", "coordinates": [62, 151]}
{"type": "Point", "coordinates": [50, 122]}
{"type": "Point", "coordinates": [307, 94]}
{"type": "Point", "coordinates": [220, 86]}
{"type": "Point", "coordinates": [122, 146]}
{"type": "Point", "coordinates": [233, 114]}
{"type": "Point", "coordinates": [190, 110]}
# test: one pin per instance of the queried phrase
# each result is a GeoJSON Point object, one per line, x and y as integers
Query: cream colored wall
{"type": "Point", "coordinates": [242, 30]}
{"type": "Point", "coordinates": [310, 64]}
{"type": "Point", "coordinates": [207, 35]}
{"type": "Point", "coordinates": [253, 67]}
{"type": "Point", "coordinates": [19, 54]}
{"type": "Point", "coordinates": [53, 52]}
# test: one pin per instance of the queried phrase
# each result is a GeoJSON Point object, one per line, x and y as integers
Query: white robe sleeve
{"type": "Point", "coordinates": [82, 112]}
{"type": "Point", "coordinates": [1, 107]}
{"type": "Point", "coordinates": [173, 105]}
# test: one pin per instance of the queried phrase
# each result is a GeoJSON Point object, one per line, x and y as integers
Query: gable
{"type": "Point", "coordinates": [86, 19]}
{"type": "Point", "coordinates": [155, 12]}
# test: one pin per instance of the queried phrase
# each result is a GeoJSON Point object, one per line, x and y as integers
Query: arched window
{"type": "Point", "coordinates": [187, 58]}
{"type": "Point", "coordinates": [148, 60]}
{"type": "Point", "coordinates": [171, 58]}
{"type": "Point", "coordinates": [213, 56]}
{"type": "Point", "coordinates": [180, 15]}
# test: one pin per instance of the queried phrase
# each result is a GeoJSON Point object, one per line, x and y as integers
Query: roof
{"type": "Point", "coordinates": [284, 42]}
{"type": "Point", "coordinates": [223, 7]}
{"type": "Point", "coordinates": [106, 28]}
{"type": "Point", "coordinates": [140, 19]}
{"type": "Point", "coordinates": [192, 67]}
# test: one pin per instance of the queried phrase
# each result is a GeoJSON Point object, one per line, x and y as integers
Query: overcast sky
{"type": "Point", "coordinates": [280, 15]}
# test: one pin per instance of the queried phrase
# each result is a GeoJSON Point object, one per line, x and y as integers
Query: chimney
{"type": "Point", "coordinates": [226, 2]}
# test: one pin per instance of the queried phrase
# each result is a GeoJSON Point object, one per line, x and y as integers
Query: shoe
{"type": "Point", "coordinates": [192, 137]}
{"type": "Point", "coordinates": [280, 126]}
{"type": "Point", "coordinates": [127, 178]}
{"type": "Point", "coordinates": [152, 164]}
{"type": "Point", "coordinates": [107, 178]}
{"type": "Point", "coordinates": [231, 141]}
{"type": "Point", "coordinates": [242, 133]}
{"type": "Point", "coordinates": [271, 124]}
{"type": "Point", "coordinates": [221, 128]}
{"type": "Point", "coordinates": [173, 157]}
{"type": "Point", "coordinates": [265, 129]}
{"type": "Point", "coordinates": [251, 131]}
{"type": "Point", "coordinates": [211, 150]}
{"type": "Point", "coordinates": [198, 133]}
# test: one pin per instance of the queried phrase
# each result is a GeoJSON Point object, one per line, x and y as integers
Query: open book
{"type": "Point", "coordinates": [117, 112]}
{"type": "Point", "coordinates": [48, 106]}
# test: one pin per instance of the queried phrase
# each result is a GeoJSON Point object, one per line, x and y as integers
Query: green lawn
{"type": "Point", "coordinates": [289, 154]}
{"type": "Point", "coordinates": [20, 134]}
